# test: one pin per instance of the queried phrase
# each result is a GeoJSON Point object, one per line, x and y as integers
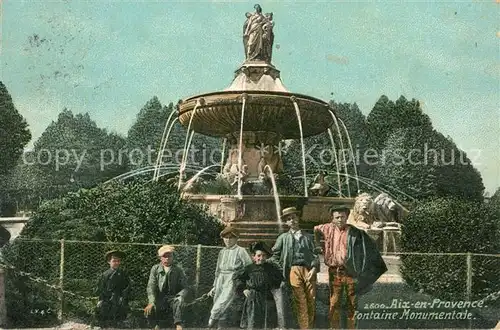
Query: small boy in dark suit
{"type": "Point", "coordinates": [113, 290]}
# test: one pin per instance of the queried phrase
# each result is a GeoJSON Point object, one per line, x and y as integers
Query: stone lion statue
{"type": "Point", "coordinates": [375, 213]}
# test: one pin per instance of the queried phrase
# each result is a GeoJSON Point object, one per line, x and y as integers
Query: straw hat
{"type": "Point", "coordinates": [289, 210]}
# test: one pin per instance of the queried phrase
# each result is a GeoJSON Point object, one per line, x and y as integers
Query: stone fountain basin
{"type": "Point", "coordinates": [256, 217]}
{"type": "Point", "coordinates": [219, 113]}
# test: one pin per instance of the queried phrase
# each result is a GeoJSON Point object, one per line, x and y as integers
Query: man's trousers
{"type": "Point", "coordinates": [304, 296]}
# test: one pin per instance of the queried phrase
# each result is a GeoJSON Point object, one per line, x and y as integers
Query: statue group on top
{"type": "Point", "coordinates": [258, 36]}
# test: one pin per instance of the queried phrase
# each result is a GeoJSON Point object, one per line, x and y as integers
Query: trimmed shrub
{"type": "Point", "coordinates": [449, 225]}
{"type": "Point", "coordinates": [114, 213]}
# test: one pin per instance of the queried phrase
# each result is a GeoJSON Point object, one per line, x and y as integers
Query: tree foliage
{"type": "Point", "coordinates": [387, 116]}
{"type": "Point", "coordinates": [423, 163]}
{"type": "Point", "coordinates": [14, 132]}
{"type": "Point", "coordinates": [146, 133]}
{"type": "Point", "coordinates": [74, 152]}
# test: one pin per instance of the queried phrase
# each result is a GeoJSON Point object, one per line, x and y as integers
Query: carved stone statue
{"type": "Point", "coordinates": [258, 36]}
{"type": "Point", "coordinates": [378, 213]}
{"type": "Point", "coordinates": [261, 167]}
{"type": "Point", "coordinates": [320, 186]}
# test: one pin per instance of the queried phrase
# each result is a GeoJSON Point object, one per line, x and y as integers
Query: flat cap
{"type": "Point", "coordinates": [164, 249]}
{"type": "Point", "coordinates": [339, 208]}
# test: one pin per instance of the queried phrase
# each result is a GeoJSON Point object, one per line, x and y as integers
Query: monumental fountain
{"type": "Point", "coordinates": [254, 116]}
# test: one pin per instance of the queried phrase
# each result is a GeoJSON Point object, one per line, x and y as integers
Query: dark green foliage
{"type": "Point", "coordinates": [14, 135]}
{"type": "Point", "coordinates": [117, 212]}
{"type": "Point", "coordinates": [451, 225]}
{"type": "Point", "coordinates": [146, 133]}
{"type": "Point", "coordinates": [423, 163]}
{"type": "Point", "coordinates": [87, 154]}
{"type": "Point", "coordinates": [14, 132]}
{"type": "Point", "coordinates": [387, 116]}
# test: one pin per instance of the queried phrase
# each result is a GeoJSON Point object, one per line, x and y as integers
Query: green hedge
{"type": "Point", "coordinates": [448, 225]}
{"type": "Point", "coordinates": [116, 214]}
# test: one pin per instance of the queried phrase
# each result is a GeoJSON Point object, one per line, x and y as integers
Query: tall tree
{"type": "Point", "coordinates": [387, 116]}
{"type": "Point", "coordinates": [74, 152]}
{"type": "Point", "coordinates": [146, 133]}
{"type": "Point", "coordinates": [14, 132]}
{"type": "Point", "coordinates": [423, 163]}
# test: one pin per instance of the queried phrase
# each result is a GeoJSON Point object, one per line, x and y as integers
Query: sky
{"type": "Point", "coordinates": [108, 58]}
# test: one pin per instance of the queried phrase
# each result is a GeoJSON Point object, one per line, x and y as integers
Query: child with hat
{"type": "Point", "coordinates": [113, 290]}
{"type": "Point", "coordinates": [256, 282]}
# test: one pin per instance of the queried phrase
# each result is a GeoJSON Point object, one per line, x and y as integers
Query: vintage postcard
{"type": "Point", "coordinates": [244, 165]}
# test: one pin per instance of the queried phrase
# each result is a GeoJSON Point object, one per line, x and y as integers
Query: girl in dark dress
{"type": "Point", "coordinates": [256, 282]}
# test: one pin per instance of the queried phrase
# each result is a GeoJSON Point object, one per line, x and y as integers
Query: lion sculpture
{"type": "Point", "coordinates": [375, 213]}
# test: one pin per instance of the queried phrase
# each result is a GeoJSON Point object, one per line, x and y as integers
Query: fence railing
{"type": "Point", "coordinates": [55, 280]}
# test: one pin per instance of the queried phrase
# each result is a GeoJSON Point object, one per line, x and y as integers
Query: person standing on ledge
{"type": "Point", "coordinates": [295, 253]}
{"type": "Point", "coordinates": [353, 260]}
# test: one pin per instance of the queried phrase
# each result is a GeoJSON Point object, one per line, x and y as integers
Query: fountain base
{"type": "Point", "coordinates": [256, 219]}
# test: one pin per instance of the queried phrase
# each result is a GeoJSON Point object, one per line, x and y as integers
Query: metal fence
{"type": "Point", "coordinates": [54, 281]}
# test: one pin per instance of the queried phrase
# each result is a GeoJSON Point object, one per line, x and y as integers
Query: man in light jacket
{"type": "Point", "coordinates": [167, 290]}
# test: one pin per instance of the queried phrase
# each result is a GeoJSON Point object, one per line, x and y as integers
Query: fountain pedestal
{"type": "Point", "coordinates": [258, 150]}
{"type": "Point", "coordinates": [256, 216]}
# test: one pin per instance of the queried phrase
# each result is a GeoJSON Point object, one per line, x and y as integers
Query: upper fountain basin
{"type": "Point", "coordinates": [219, 113]}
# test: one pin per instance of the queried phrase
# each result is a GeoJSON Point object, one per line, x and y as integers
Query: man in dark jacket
{"type": "Point", "coordinates": [113, 290]}
{"type": "Point", "coordinates": [167, 291]}
{"type": "Point", "coordinates": [353, 260]}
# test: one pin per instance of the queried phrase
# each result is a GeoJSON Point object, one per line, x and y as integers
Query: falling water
{"type": "Point", "coordinates": [297, 112]}
{"type": "Point", "coordinates": [276, 196]}
{"type": "Point", "coordinates": [343, 154]}
{"type": "Point", "coordinates": [184, 158]}
{"type": "Point", "coordinates": [140, 171]}
{"type": "Point", "coordinates": [240, 147]}
{"type": "Point", "coordinates": [352, 153]}
{"type": "Point", "coordinates": [198, 102]}
{"type": "Point", "coordinates": [336, 159]}
{"type": "Point", "coordinates": [222, 155]}
{"type": "Point", "coordinates": [197, 175]}
{"type": "Point", "coordinates": [382, 190]}
{"type": "Point", "coordinates": [162, 150]}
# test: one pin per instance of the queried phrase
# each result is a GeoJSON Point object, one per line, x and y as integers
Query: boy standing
{"type": "Point", "coordinates": [354, 264]}
{"type": "Point", "coordinates": [113, 290]}
{"type": "Point", "coordinates": [296, 254]}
